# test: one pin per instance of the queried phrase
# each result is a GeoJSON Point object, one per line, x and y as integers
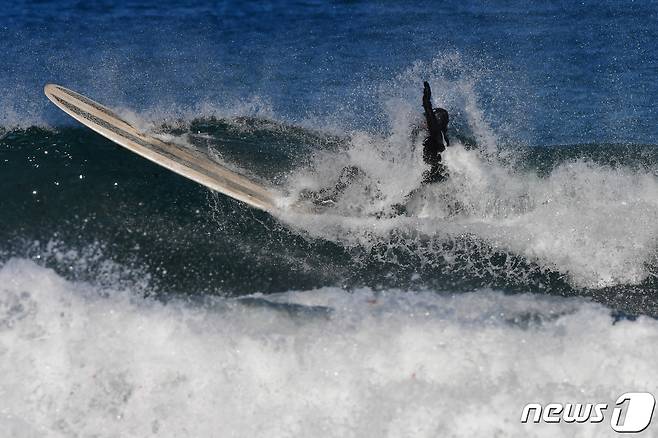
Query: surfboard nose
{"type": "Point", "coordinates": [48, 89]}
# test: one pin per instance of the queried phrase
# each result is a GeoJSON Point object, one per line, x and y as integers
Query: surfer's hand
{"type": "Point", "coordinates": [427, 102]}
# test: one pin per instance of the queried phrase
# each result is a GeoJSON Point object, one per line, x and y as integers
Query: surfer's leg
{"type": "Point", "coordinates": [328, 196]}
{"type": "Point", "coordinates": [436, 173]}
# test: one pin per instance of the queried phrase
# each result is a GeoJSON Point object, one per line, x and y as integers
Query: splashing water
{"type": "Point", "coordinates": [592, 222]}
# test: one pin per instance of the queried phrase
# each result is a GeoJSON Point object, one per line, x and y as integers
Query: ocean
{"type": "Point", "coordinates": [134, 302]}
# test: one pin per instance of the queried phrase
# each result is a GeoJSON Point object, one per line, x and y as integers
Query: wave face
{"type": "Point", "coordinates": [135, 302]}
{"type": "Point", "coordinates": [574, 220]}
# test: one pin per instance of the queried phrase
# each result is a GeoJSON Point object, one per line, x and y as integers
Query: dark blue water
{"type": "Point", "coordinates": [558, 73]}
{"type": "Point", "coordinates": [134, 299]}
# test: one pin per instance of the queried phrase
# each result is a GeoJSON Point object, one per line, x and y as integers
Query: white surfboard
{"type": "Point", "coordinates": [184, 161]}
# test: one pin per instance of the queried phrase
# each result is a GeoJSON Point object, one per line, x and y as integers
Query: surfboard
{"type": "Point", "coordinates": [185, 161]}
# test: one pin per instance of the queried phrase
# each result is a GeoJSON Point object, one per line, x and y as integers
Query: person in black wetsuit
{"type": "Point", "coordinates": [436, 140]}
{"type": "Point", "coordinates": [435, 143]}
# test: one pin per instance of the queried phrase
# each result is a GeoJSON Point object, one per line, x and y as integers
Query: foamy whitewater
{"type": "Point", "coordinates": [79, 360]}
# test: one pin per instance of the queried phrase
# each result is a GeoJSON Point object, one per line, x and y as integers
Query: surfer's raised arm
{"type": "Point", "coordinates": [427, 105]}
{"type": "Point", "coordinates": [437, 137]}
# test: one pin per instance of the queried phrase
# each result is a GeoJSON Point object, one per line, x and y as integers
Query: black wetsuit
{"type": "Point", "coordinates": [436, 140]}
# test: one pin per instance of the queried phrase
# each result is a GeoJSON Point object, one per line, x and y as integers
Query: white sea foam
{"type": "Point", "coordinates": [76, 360]}
{"type": "Point", "coordinates": [592, 222]}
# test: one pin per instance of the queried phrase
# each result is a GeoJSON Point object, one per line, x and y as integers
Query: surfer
{"type": "Point", "coordinates": [434, 144]}
{"type": "Point", "coordinates": [436, 140]}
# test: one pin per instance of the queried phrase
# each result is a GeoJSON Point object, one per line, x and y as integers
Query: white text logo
{"type": "Point", "coordinates": [632, 412]}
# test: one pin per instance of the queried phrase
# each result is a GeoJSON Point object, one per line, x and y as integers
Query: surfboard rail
{"type": "Point", "coordinates": [179, 159]}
